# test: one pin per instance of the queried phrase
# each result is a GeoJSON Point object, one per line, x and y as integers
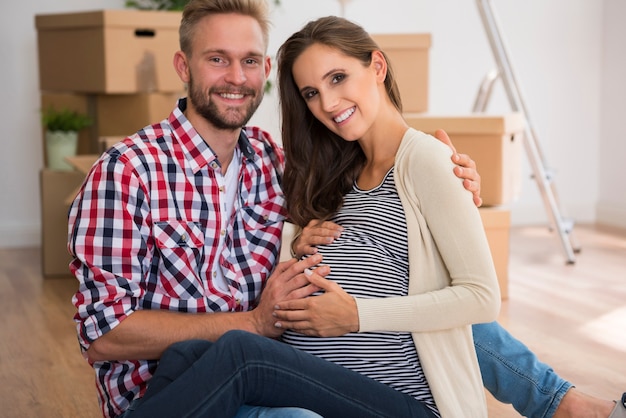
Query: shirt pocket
{"type": "Point", "coordinates": [260, 238]}
{"type": "Point", "coordinates": [263, 215]}
{"type": "Point", "coordinates": [181, 248]}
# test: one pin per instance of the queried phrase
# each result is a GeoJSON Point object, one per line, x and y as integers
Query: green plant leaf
{"type": "Point", "coordinates": [64, 120]}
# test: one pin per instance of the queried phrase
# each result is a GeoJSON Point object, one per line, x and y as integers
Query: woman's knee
{"type": "Point", "coordinates": [242, 341]}
{"type": "Point", "coordinates": [186, 351]}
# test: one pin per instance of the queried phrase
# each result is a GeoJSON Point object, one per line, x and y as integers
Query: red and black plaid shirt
{"type": "Point", "coordinates": [144, 231]}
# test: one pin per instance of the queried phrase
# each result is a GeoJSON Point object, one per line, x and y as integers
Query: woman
{"type": "Point", "coordinates": [412, 259]}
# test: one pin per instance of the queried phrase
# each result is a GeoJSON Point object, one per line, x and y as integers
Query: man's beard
{"type": "Point", "coordinates": [225, 120]}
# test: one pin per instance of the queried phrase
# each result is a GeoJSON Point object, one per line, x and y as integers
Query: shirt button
{"type": "Point", "coordinates": [183, 237]}
{"type": "Point", "coordinates": [215, 274]}
{"type": "Point", "coordinates": [222, 189]}
{"type": "Point", "coordinates": [238, 302]}
{"type": "Point", "coordinates": [223, 232]}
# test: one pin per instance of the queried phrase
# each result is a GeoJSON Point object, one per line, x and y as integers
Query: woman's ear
{"type": "Point", "coordinates": [379, 64]}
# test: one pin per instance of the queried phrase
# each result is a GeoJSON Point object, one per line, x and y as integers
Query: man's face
{"type": "Point", "coordinates": [227, 70]}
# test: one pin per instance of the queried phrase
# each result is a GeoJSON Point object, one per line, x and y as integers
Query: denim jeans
{"type": "Point", "coordinates": [247, 411]}
{"type": "Point", "coordinates": [513, 374]}
{"type": "Point", "coordinates": [198, 378]}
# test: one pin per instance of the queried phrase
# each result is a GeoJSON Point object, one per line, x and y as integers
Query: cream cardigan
{"type": "Point", "coordinates": [452, 280]}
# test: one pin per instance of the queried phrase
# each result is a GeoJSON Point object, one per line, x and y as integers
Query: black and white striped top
{"type": "Point", "coordinates": [370, 260]}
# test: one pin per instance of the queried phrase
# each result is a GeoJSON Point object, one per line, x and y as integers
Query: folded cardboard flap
{"type": "Point", "coordinates": [82, 164]}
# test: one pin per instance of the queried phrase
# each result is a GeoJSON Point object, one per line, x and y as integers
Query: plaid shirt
{"type": "Point", "coordinates": [144, 230]}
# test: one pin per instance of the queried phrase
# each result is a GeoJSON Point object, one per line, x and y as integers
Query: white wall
{"type": "Point", "coordinates": [611, 202]}
{"type": "Point", "coordinates": [21, 154]}
{"type": "Point", "coordinates": [561, 51]}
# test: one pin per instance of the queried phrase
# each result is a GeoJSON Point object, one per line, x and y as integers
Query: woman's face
{"type": "Point", "coordinates": [339, 90]}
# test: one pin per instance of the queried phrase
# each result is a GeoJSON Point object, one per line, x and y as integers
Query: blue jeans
{"type": "Point", "coordinates": [513, 374]}
{"type": "Point", "coordinates": [198, 378]}
{"type": "Point", "coordinates": [247, 411]}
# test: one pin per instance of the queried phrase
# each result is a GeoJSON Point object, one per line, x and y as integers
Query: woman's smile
{"type": "Point", "coordinates": [345, 115]}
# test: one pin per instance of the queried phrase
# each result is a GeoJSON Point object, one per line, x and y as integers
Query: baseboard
{"type": "Point", "coordinates": [20, 236]}
{"type": "Point", "coordinates": [536, 214]}
{"type": "Point", "coordinates": [611, 215]}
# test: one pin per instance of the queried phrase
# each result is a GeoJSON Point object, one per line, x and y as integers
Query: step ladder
{"type": "Point", "coordinates": [543, 176]}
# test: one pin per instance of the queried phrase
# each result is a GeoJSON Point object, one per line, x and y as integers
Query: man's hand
{"type": "Point", "coordinates": [330, 314]}
{"type": "Point", "coordinates": [465, 168]}
{"type": "Point", "coordinates": [315, 233]}
{"type": "Point", "coordinates": [288, 282]}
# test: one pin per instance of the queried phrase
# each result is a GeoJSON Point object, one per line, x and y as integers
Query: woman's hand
{"type": "Point", "coordinates": [330, 314]}
{"type": "Point", "coordinates": [465, 168]}
{"type": "Point", "coordinates": [286, 282]}
{"type": "Point", "coordinates": [316, 232]}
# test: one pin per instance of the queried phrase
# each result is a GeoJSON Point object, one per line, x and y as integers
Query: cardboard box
{"type": "Point", "coordinates": [107, 142]}
{"type": "Point", "coordinates": [497, 224]}
{"type": "Point", "coordinates": [108, 51]}
{"type": "Point", "coordinates": [55, 186]}
{"type": "Point", "coordinates": [408, 54]}
{"type": "Point", "coordinates": [116, 115]}
{"type": "Point", "coordinates": [82, 164]}
{"type": "Point", "coordinates": [494, 142]}
{"type": "Point", "coordinates": [125, 114]}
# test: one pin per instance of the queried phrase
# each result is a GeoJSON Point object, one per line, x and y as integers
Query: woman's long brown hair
{"type": "Point", "coordinates": [320, 167]}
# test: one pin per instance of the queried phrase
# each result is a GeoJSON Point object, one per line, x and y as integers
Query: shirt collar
{"type": "Point", "coordinates": [197, 152]}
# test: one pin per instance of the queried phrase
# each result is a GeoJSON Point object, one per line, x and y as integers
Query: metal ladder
{"type": "Point", "coordinates": [541, 173]}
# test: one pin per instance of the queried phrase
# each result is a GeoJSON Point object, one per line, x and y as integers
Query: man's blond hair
{"type": "Point", "coordinates": [195, 10]}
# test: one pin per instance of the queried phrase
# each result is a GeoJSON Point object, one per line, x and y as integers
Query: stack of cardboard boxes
{"type": "Point", "coordinates": [493, 141]}
{"type": "Point", "coordinates": [115, 66]}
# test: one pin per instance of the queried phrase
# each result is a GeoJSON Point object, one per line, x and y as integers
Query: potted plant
{"type": "Point", "coordinates": [156, 4]}
{"type": "Point", "coordinates": [61, 133]}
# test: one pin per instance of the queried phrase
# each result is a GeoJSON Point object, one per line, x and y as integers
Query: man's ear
{"type": "Point", "coordinates": [268, 66]}
{"type": "Point", "coordinates": [181, 65]}
{"type": "Point", "coordinates": [379, 64]}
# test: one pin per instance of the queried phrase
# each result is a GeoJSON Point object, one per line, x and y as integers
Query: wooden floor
{"type": "Point", "coordinates": [573, 316]}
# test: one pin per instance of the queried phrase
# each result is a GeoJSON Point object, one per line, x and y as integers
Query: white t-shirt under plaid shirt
{"type": "Point", "coordinates": [144, 231]}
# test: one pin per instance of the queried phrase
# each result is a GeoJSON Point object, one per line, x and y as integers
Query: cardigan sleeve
{"type": "Point", "coordinates": [452, 279]}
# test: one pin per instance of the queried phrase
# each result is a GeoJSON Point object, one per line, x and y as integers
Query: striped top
{"type": "Point", "coordinates": [370, 260]}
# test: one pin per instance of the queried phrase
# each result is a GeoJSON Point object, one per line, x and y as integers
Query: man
{"type": "Point", "coordinates": [177, 228]}
{"type": "Point", "coordinates": [185, 216]}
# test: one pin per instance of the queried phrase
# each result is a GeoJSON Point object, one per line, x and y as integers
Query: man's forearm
{"type": "Point", "coordinates": [146, 334]}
